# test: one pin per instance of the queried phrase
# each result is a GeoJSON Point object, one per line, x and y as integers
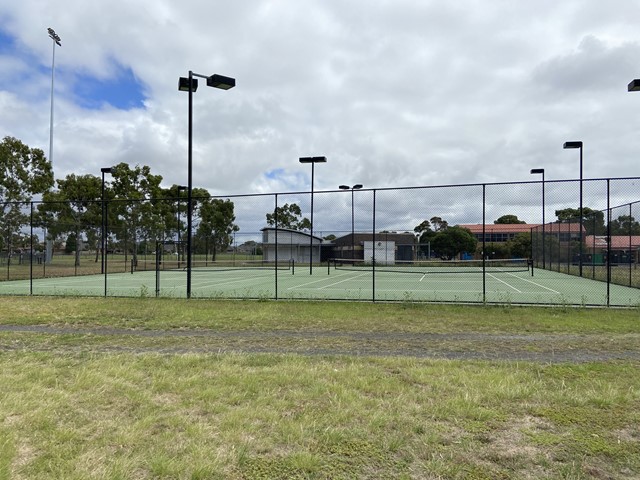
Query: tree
{"type": "Point", "coordinates": [288, 216]}
{"type": "Point", "coordinates": [74, 208]}
{"type": "Point", "coordinates": [216, 225]}
{"type": "Point", "coordinates": [137, 216]}
{"type": "Point", "coordinates": [71, 244]}
{"type": "Point", "coordinates": [24, 172]}
{"type": "Point", "coordinates": [592, 220]}
{"type": "Point", "coordinates": [494, 250]}
{"type": "Point", "coordinates": [625, 225]}
{"type": "Point", "coordinates": [520, 245]}
{"type": "Point", "coordinates": [174, 210]}
{"type": "Point", "coordinates": [422, 228]}
{"type": "Point", "coordinates": [438, 224]}
{"type": "Point", "coordinates": [453, 240]}
{"type": "Point", "coordinates": [508, 219]}
{"type": "Point", "coordinates": [427, 230]}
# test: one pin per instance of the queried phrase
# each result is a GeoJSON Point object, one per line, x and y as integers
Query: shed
{"type": "Point", "coordinates": [285, 244]}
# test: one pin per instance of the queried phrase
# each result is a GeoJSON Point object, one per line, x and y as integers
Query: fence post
{"type": "Point", "coordinates": [158, 246]}
{"type": "Point", "coordinates": [373, 253]}
{"type": "Point", "coordinates": [608, 243]}
{"type": "Point", "coordinates": [105, 242]}
{"type": "Point", "coordinates": [484, 243]}
{"type": "Point", "coordinates": [275, 217]}
{"type": "Point", "coordinates": [31, 247]}
{"type": "Point", "coordinates": [630, 252]}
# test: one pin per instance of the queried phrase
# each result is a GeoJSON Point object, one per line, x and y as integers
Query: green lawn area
{"type": "Point", "coordinates": [120, 388]}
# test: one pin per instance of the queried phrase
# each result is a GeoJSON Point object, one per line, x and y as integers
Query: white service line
{"type": "Point", "coordinates": [345, 280]}
{"type": "Point", "coordinates": [213, 282]}
{"type": "Point", "coordinates": [535, 283]}
{"type": "Point", "coordinates": [502, 281]}
{"type": "Point", "coordinates": [350, 277]}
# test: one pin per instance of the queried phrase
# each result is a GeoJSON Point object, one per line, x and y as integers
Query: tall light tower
{"type": "Point", "coordinates": [357, 186]}
{"type": "Point", "coordinates": [312, 161]}
{"type": "Point", "coordinates": [538, 171]}
{"type": "Point", "coordinates": [190, 84]}
{"type": "Point", "coordinates": [55, 41]}
{"type": "Point", "coordinates": [570, 145]}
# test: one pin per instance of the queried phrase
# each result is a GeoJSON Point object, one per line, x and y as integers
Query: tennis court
{"type": "Point", "coordinates": [330, 283]}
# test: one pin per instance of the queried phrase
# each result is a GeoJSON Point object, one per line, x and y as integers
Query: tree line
{"type": "Point", "coordinates": [138, 210]}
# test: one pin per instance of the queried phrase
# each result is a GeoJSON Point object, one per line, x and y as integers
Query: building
{"type": "Point", "coordinates": [499, 232]}
{"type": "Point", "coordinates": [386, 247]}
{"type": "Point", "coordinates": [503, 232]}
{"type": "Point", "coordinates": [624, 248]}
{"type": "Point", "coordinates": [284, 245]}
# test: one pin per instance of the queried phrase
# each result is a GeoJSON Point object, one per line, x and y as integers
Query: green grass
{"type": "Point", "coordinates": [197, 406]}
{"type": "Point", "coordinates": [165, 313]}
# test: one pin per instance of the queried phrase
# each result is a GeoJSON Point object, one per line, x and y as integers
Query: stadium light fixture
{"type": "Point", "coordinates": [634, 86]}
{"type": "Point", "coordinates": [538, 171]}
{"type": "Point", "coordinates": [312, 161]}
{"type": "Point", "coordinates": [56, 41]}
{"type": "Point", "coordinates": [572, 145]}
{"type": "Point", "coordinates": [190, 84]}
{"type": "Point", "coordinates": [357, 186]}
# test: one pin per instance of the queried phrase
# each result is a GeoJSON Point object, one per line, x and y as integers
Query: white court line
{"type": "Point", "coordinates": [502, 281]}
{"type": "Point", "coordinates": [350, 277]}
{"type": "Point", "coordinates": [535, 283]}
{"type": "Point", "coordinates": [342, 281]}
{"type": "Point", "coordinates": [210, 282]}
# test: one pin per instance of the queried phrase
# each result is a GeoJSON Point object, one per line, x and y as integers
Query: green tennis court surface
{"type": "Point", "coordinates": [517, 287]}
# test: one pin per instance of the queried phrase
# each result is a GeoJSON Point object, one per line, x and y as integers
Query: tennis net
{"type": "Point", "coordinates": [427, 267]}
{"type": "Point", "coordinates": [206, 267]}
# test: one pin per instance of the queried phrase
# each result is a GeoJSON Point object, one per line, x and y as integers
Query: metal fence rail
{"type": "Point", "coordinates": [123, 247]}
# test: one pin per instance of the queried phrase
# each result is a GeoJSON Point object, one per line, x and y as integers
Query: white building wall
{"type": "Point", "coordinates": [292, 245]}
{"type": "Point", "coordinates": [384, 253]}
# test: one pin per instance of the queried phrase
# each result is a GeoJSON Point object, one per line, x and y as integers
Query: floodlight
{"type": "Point", "coordinates": [183, 84]}
{"type": "Point", "coordinates": [634, 86]}
{"type": "Point", "coordinates": [313, 159]}
{"type": "Point", "coordinates": [221, 82]}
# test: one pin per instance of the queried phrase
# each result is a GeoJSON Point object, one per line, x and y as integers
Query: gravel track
{"type": "Point", "coordinates": [552, 348]}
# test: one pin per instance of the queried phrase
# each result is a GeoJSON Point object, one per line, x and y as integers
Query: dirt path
{"type": "Point", "coordinates": [455, 346]}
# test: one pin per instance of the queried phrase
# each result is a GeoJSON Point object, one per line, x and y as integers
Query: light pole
{"type": "Point", "coordinates": [190, 84]}
{"type": "Point", "coordinates": [536, 171]}
{"type": "Point", "coordinates": [56, 41]}
{"type": "Point", "coordinates": [312, 161]}
{"type": "Point", "coordinates": [181, 188]}
{"type": "Point", "coordinates": [103, 239]}
{"type": "Point", "coordinates": [357, 186]}
{"type": "Point", "coordinates": [569, 145]}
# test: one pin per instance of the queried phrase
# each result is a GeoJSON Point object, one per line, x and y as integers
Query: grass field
{"type": "Point", "coordinates": [111, 388]}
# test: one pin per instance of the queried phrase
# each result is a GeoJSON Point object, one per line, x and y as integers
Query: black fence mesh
{"type": "Point", "coordinates": [455, 241]}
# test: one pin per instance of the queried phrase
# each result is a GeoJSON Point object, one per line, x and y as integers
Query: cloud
{"type": "Point", "coordinates": [593, 67]}
{"type": "Point", "coordinates": [394, 93]}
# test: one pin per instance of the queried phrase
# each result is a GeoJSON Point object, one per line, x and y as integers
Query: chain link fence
{"type": "Point", "coordinates": [495, 243]}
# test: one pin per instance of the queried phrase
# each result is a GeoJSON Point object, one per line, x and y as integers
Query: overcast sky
{"type": "Point", "coordinates": [392, 92]}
